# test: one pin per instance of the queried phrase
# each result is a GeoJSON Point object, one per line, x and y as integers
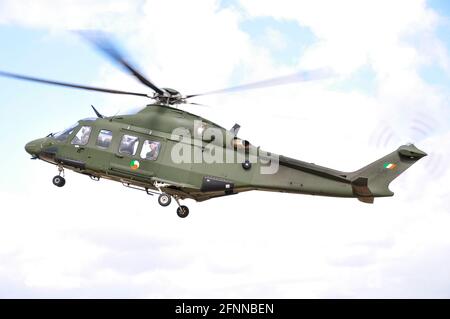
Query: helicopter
{"type": "Point", "coordinates": [174, 154]}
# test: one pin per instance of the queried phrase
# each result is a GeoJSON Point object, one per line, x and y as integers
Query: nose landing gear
{"type": "Point", "coordinates": [59, 180]}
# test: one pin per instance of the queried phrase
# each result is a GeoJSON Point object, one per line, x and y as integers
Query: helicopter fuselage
{"type": "Point", "coordinates": [165, 150]}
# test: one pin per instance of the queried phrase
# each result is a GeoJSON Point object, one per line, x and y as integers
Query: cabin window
{"type": "Point", "coordinates": [82, 137]}
{"type": "Point", "coordinates": [104, 139]}
{"type": "Point", "coordinates": [150, 150]}
{"type": "Point", "coordinates": [129, 145]}
{"type": "Point", "coordinates": [63, 135]}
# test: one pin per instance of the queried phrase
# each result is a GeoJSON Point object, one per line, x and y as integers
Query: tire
{"type": "Point", "coordinates": [182, 211]}
{"type": "Point", "coordinates": [59, 181]}
{"type": "Point", "coordinates": [164, 200]}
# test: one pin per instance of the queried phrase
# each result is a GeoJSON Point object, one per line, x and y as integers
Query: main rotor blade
{"type": "Point", "coordinates": [101, 42]}
{"type": "Point", "coordinates": [301, 76]}
{"type": "Point", "coordinates": [76, 86]}
{"type": "Point", "coordinates": [198, 104]}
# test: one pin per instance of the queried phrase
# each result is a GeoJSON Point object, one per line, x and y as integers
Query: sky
{"type": "Point", "coordinates": [98, 239]}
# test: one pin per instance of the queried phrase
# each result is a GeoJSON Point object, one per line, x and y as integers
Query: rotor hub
{"type": "Point", "coordinates": [170, 97]}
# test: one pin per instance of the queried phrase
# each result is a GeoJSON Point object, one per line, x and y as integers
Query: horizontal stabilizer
{"type": "Point", "coordinates": [361, 190]}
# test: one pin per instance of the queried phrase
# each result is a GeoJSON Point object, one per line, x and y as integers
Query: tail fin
{"type": "Point", "coordinates": [373, 180]}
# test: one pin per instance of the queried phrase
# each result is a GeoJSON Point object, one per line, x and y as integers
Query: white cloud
{"type": "Point", "coordinates": [352, 33]}
{"type": "Point", "coordinates": [68, 14]}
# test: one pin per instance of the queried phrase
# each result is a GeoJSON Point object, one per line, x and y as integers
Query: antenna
{"type": "Point", "coordinates": [112, 117]}
{"type": "Point", "coordinates": [97, 112]}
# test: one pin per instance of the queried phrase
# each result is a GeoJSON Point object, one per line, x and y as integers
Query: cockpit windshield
{"type": "Point", "coordinates": [63, 135]}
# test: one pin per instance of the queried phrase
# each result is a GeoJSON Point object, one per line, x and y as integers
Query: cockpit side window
{"type": "Point", "coordinates": [104, 139]}
{"type": "Point", "coordinates": [82, 137]}
{"type": "Point", "coordinates": [150, 150]}
{"type": "Point", "coordinates": [129, 145]}
{"type": "Point", "coordinates": [63, 135]}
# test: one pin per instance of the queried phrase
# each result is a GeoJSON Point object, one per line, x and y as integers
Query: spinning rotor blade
{"type": "Point", "coordinates": [198, 104]}
{"type": "Point", "coordinates": [301, 76]}
{"type": "Point", "coordinates": [101, 42]}
{"type": "Point", "coordinates": [76, 86]}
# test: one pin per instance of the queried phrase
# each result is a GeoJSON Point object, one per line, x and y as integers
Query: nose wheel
{"type": "Point", "coordinates": [59, 181]}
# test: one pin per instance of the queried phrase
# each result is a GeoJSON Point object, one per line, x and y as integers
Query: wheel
{"type": "Point", "coordinates": [182, 211]}
{"type": "Point", "coordinates": [59, 181]}
{"type": "Point", "coordinates": [164, 200]}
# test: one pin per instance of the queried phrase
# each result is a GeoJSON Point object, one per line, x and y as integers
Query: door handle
{"type": "Point", "coordinates": [118, 155]}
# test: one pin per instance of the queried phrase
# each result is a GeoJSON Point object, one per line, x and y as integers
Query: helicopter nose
{"type": "Point", "coordinates": [34, 147]}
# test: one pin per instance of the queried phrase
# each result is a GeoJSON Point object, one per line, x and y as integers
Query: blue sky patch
{"type": "Point", "coordinates": [435, 75]}
{"type": "Point", "coordinates": [363, 80]}
{"type": "Point", "coordinates": [286, 40]}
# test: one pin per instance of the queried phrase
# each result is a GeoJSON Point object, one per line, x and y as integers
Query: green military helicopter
{"type": "Point", "coordinates": [172, 153]}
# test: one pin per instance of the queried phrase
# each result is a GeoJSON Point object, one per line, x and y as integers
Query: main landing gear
{"type": "Point", "coordinates": [165, 199]}
{"type": "Point", "coordinates": [182, 211]}
{"type": "Point", "coordinates": [59, 180]}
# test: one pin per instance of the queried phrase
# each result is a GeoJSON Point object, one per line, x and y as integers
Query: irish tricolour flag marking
{"type": "Point", "coordinates": [134, 165]}
{"type": "Point", "coordinates": [390, 165]}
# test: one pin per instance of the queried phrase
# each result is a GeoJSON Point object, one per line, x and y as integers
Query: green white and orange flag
{"type": "Point", "coordinates": [134, 165]}
{"type": "Point", "coordinates": [389, 165]}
